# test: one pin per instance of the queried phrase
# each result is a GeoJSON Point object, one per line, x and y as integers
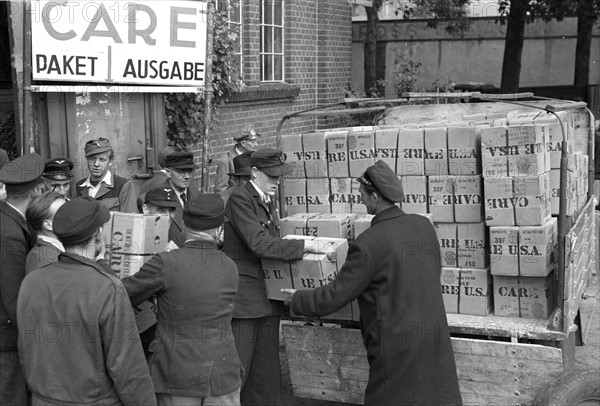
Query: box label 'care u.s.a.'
{"type": "Point", "coordinates": [361, 152]}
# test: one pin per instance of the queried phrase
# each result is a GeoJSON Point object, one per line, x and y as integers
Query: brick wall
{"type": "Point", "coordinates": [317, 59]}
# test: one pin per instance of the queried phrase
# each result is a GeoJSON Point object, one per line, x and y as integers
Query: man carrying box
{"type": "Point", "coordinates": [393, 268]}
{"type": "Point", "coordinates": [194, 360]}
{"type": "Point", "coordinates": [92, 355]}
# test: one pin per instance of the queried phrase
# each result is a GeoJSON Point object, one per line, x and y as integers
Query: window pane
{"type": "Point", "coordinates": [267, 67]}
{"type": "Point", "coordinates": [222, 5]}
{"type": "Point", "coordinates": [235, 11]}
{"type": "Point", "coordinates": [278, 61]}
{"type": "Point", "coordinates": [267, 11]}
{"type": "Point", "coordinates": [278, 40]}
{"type": "Point", "coordinates": [268, 39]}
{"type": "Point", "coordinates": [278, 12]}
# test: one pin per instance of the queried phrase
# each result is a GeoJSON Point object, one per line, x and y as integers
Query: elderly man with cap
{"type": "Point", "coordinates": [252, 233]}
{"type": "Point", "coordinates": [161, 175]}
{"type": "Point", "coordinates": [22, 178]}
{"type": "Point", "coordinates": [246, 141]}
{"type": "Point", "coordinates": [40, 216]}
{"type": "Point", "coordinates": [113, 191]}
{"type": "Point", "coordinates": [89, 351]}
{"type": "Point", "coordinates": [393, 268]}
{"type": "Point", "coordinates": [195, 360]}
{"type": "Point", "coordinates": [57, 175]}
{"type": "Point", "coordinates": [180, 167]}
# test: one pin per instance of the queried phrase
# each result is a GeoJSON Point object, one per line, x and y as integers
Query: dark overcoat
{"type": "Point", "coordinates": [193, 352]}
{"type": "Point", "coordinates": [16, 241]}
{"type": "Point", "coordinates": [43, 253]}
{"type": "Point", "coordinates": [252, 233]}
{"type": "Point", "coordinates": [393, 268]}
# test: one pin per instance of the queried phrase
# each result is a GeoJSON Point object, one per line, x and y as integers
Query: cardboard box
{"type": "Point", "coordinates": [532, 210]}
{"type": "Point", "coordinates": [295, 196]}
{"type": "Point", "coordinates": [317, 196]}
{"type": "Point", "coordinates": [361, 223]}
{"type": "Point", "coordinates": [436, 152]}
{"type": "Point", "coordinates": [361, 152]}
{"type": "Point", "coordinates": [536, 248]}
{"type": "Point", "coordinates": [332, 225]}
{"type": "Point", "coordinates": [415, 194]}
{"type": "Point", "coordinates": [411, 152]}
{"type": "Point", "coordinates": [337, 154]}
{"type": "Point", "coordinates": [519, 117]}
{"type": "Point", "coordinates": [386, 146]}
{"type": "Point", "coordinates": [527, 149]}
{"type": "Point", "coordinates": [468, 199]}
{"type": "Point", "coordinates": [295, 224]}
{"type": "Point", "coordinates": [340, 195]}
{"type": "Point", "coordinates": [475, 295]}
{"type": "Point", "coordinates": [441, 198]}
{"type": "Point", "coordinates": [464, 150]}
{"type": "Point", "coordinates": [498, 199]}
{"type": "Point", "coordinates": [131, 239]}
{"type": "Point", "coordinates": [555, 192]}
{"type": "Point", "coordinates": [472, 246]}
{"type": "Point", "coordinates": [294, 155]}
{"type": "Point", "coordinates": [448, 240]}
{"type": "Point", "coordinates": [533, 185]}
{"type": "Point", "coordinates": [450, 279]}
{"type": "Point", "coordinates": [494, 152]}
{"type": "Point", "coordinates": [278, 275]}
{"type": "Point", "coordinates": [315, 160]}
{"type": "Point", "coordinates": [357, 205]}
{"type": "Point", "coordinates": [316, 270]}
{"type": "Point", "coordinates": [504, 251]}
{"type": "Point", "coordinates": [506, 296]}
{"type": "Point", "coordinates": [556, 136]}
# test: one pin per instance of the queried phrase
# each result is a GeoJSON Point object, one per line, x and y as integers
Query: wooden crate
{"type": "Point", "coordinates": [330, 363]}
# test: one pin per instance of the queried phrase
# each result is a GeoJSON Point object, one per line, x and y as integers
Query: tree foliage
{"type": "Point", "coordinates": [186, 112]}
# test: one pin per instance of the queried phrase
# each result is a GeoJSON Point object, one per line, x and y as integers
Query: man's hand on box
{"type": "Point", "coordinates": [290, 294]}
{"type": "Point", "coordinates": [321, 247]}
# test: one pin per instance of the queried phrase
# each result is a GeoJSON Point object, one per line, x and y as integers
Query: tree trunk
{"type": "Point", "coordinates": [513, 46]}
{"type": "Point", "coordinates": [585, 24]}
{"type": "Point", "coordinates": [371, 49]}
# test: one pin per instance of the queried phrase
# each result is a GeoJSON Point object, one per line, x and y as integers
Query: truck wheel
{"type": "Point", "coordinates": [575, 387]}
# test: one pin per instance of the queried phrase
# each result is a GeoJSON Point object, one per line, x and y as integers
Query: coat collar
{"type": "Point", "coordinates": [78, 259]}
{"type": "Point", "coordinates": [198, 244]}
{"type": "Point", "coordinates": [387, 214]}
{"type": "Point", "coordinates": [103, 189]}
{"type": "Point", "coordinates": [250, 187]}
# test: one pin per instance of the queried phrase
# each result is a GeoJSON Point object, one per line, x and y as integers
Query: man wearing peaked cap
{"type": "Point", "coordinates": [396, 257]}
{"type": "Point", "coordinates": [252, 233]}
{"type": "Point", "coordinates": [195, 287]}
{"type": "Point", "coordinates": [113, 191]}
{"type": "Point", "coordinates": [180, 167]}
{"type": "Point", "coordinates": [22, 178]}
{"type": "Point", "coordinates": [245, 141]}
{"type": "Point", "coordinates": [96, 366]}
{"type": "Point", "coordinates": [58, 174]}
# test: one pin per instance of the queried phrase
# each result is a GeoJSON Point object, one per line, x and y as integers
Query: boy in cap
{"type": "Point", "coordinates": [195, 287]}
{"type": "Point", "coordinates": [393, 269]}
{"type": "Point", "coordinates": [94, 356]}
{"type": "Point", "coordinates": [57, 175]}
{"type": "Point", "coordinates": [113, 191]}
{"type": "Point", "coordinates": [252, 233]}
{"type": "Point", "coordinates": [22, 178]}
{"type": "Point", "coordinates": [40, 216]}
{"type": "Point", "coordinates": [161, 175]}
{"type": "Point", "coordinates": [245, 141]}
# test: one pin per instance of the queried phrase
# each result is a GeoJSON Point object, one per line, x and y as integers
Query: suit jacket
{"type": "Point", "coordinates": [194, 351]}
{"type": "Point", "coordinates": [120, 196]}
{"type": "Point", "coordinates": [224, 168]}
{"type": "Point", "coordinates": [96, 345]}
{"type": "Point", "coordinates": [252, 233]}
{"type": "Point", "coordinates": [16, 243]}
{"type": "Point", "coordinates": [394, 269]}
{"type": "Point", "coordinates": [176, 233]}
{"type": "Point", "coordinates": [43, 253]}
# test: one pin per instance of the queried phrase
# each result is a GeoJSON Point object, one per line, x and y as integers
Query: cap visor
{"type": "Point", "coordinates": [162, 203]}
{"type": "Point", "coordinates": [184, 166]}
{"type": "Point", "coordinates": [279, 170]}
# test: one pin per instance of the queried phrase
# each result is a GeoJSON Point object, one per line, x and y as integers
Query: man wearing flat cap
{"type": "Point", "coordinates": [91, 353]}
{"type": "Point", "coordinates": [393, 269]}
{"type": "Point", "coordinates": [245, 141]}
{"type": "Point", "coordinates": [57, 175]}
{"type": "Point", "coordinates": [115, 192]}
{"type": "Point", "coordinates": [22, 178]}
{"type": "Point", "coordinates": [195, 360]}
{"type": "Point", "coordinates": [252, 233]}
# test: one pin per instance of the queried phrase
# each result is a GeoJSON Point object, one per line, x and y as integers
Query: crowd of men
{"type": "Point", "coordinates": [68, 332]}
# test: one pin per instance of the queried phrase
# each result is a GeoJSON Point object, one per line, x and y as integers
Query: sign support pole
{"type": "Point", "coordinates": [208, 92]}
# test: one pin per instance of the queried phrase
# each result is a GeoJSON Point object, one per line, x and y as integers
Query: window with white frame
{"type": "Point", "coordinates": [234, 15]}
{"type": "Point", "coordinates": [271, 40]}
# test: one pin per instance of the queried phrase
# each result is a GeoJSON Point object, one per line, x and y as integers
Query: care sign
{"type": "Point", "coordinates": [141, 42]}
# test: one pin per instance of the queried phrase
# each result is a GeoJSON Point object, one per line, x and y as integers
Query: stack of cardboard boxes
{"type": "Point", "coordinates": [489, 182]}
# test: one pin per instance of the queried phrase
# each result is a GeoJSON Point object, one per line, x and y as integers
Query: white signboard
{"type": "Point", "coordinates": [148, 42]}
